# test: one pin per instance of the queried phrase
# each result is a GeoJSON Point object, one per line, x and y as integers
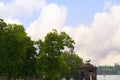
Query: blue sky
{"type": "Point", "coordinates": [80, 11]}
{"type": "Point", "coordinates": [93, 24]}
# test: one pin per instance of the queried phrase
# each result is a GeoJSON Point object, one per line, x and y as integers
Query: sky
{"type": "Point", "coordinates": [93, 24]}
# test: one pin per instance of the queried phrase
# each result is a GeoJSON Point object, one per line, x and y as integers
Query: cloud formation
{"type": "Point", "coordinates": [20, 8]}
{"type": "Point", "coordinates": [99, 42]}
{"type": "Point", "coordinates": [51, 17]}
{"type": "Point", "coordinates": [101, 39]}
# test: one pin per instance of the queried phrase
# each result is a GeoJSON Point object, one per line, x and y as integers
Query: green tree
{"type": "Point", "coordinates": [64, 68]}
{"type": "Point", "coordinates": [74, 62]}
{"type": "Point", "coordinates": [51, 48]}
{"type": "Point", "coordinates": [2, 46]}
{"type": "Point", "coordinates": [29, 65]}
{"type": "Point", "coordinates": [14, 48]}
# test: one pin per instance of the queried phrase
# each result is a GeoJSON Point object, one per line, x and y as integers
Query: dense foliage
{"type": "Point", "coordinates": [50, 59]}
{"type": "Point", "coordinates": [17, 54]}
{"type": "Point", "coordinates": [73, 61]}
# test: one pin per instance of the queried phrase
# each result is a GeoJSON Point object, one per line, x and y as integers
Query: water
{"type": "Point", "coordinates": [108, 77]}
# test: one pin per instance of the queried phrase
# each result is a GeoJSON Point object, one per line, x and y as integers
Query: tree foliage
{"type": "Point", "coordinates": [19, 57]}
{"type": "Point", "coordinates": [51, 48]}
{"type": "Point", "coordinates": [74, 62]}
{"type": "Point", "coordinates": [14, 44]}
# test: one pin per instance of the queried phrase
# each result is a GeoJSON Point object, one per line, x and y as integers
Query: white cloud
{"type": "Point", "coordinates": [12, 20]}
{"type": "Point", "coordinates": [105, 31]}
{"type": "Point", "coordinates": [116, 38]}
{"type": "Point", "coordinates": [111, 59]}
{"type": "Point", "coordinates": [99, 42]}
{"type": "Point", "coordinates": [20, 8]}
{"type": "Point", "coordinates": [51, 17]}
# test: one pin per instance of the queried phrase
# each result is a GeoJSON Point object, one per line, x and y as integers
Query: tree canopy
{"type": "Point", "coordinates": [14, 45]}
{"type": "Point", "coordinates": [74, 62]}
{"type": "Point", "coordinates": [50, 51]}
{"type": "Point", "coordinates": [19, 56]}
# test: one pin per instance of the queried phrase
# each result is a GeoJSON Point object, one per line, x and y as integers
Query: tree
{"type": "Point", "coordinates": [14, 46]}
{"type": "Point", "coordinates": [51, 48]}
{"type": "Point", "coordinates": [18, 56]}
{"type": "Point", "coordinates": [29, 65]}
{"type": "Point", "coordinates": [64, 68]}
{"type": "Point", "coordinates": [74, 62]}
{"type": "Point", "coordinates": [2, 49]}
